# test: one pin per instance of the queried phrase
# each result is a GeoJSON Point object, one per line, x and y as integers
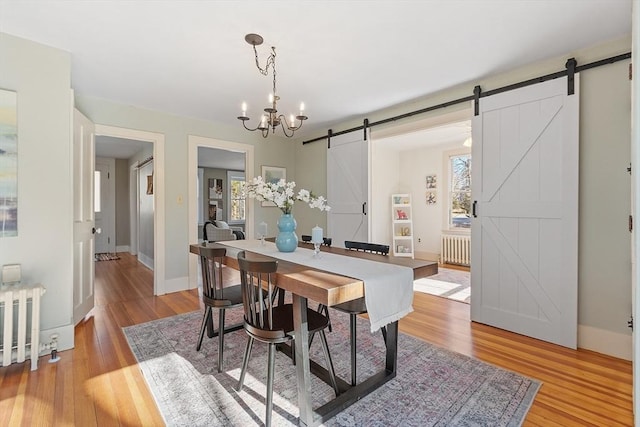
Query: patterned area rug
{"type": "Point", "coordinates": [107, 257]}
{"type": "Point", "coordinates": [449, 283]}
{"type": "Point", "coordinates": [434, 387]}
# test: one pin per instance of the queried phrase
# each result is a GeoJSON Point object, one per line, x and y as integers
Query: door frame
{"type": "Point", "coordinates": [192, 171]}
{"type": "Point", "coordinates": [158, 141]}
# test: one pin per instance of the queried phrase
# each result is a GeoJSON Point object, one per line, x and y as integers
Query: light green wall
{"type": "Point", "coordinates": [604, 287]}
{"type": "Point", "coordinates": [41, 77]}
{"type": "Point", "coordinates": [272, 151]}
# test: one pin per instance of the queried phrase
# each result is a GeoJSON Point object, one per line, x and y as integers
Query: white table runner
{"type": "Point", "coordinates": [388, 288]}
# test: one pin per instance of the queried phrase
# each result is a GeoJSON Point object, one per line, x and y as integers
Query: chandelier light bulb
{"type": "Point", "coordinates": [291, 121]}
{"type": "Point", "coordinates": [270, 98]}
{"type": "Point", "coordinates": [244, 109]}
{"type": "Point", "coordinates": [301, 107]}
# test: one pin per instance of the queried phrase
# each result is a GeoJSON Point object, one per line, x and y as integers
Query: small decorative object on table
{"type": "Point", "coordinates": [262, 231]}
{"type": "Point", "coordinates": [316, 239]}
{"type": "Point", "coordinates": [282, 194]}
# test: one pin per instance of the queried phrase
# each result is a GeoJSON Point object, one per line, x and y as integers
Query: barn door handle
{"type": "Point", "coordinates": [474, 209]}
{"type": "Point", "coordinates": [364, 208]}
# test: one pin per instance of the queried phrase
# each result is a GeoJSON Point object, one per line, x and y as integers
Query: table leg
{"type": "Point", "coordinates": [391, 364]}
{"type": "Point", "coordinates": [303, 371]}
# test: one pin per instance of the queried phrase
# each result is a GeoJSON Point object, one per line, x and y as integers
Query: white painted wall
{"type": "Point", "coordinates": [41, 77]}
{"type": "Point", "coordinates": [385, 176]}
{"type": "Point", "coordinates": [429, 221]}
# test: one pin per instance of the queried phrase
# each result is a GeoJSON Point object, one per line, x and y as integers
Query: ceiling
{"type": "Point", "coordinates": [344, 59]}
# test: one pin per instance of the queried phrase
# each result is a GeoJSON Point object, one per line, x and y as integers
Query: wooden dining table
{"type": "Point", "coordinates": [328, 288]}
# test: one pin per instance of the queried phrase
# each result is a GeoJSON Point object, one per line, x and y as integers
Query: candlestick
{"type": "Point", "coordinates": [316, 234]}
{"type": "Point", "coordinates": [262, 231]}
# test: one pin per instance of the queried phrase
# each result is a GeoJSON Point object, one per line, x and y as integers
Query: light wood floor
{"type": "Point", "coordinates": [98, 383]}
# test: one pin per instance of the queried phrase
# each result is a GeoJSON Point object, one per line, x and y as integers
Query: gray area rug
{"type": "Point", "coordinates": [434, 387]}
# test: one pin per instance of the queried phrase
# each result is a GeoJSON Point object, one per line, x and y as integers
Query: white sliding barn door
{"type": "Point", "coordinates": [348, 188]}
{"type": "Point", "coordinates": [525, 236]}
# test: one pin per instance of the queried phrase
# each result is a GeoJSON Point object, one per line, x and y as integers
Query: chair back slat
{"type": "Point", "coordinates": [326, 241]}
{"type": "Point", "coordinates": [367, 247]}
{"type": "Point", "coordinates": [211, 261]}
{"type": "Point", "coordinates": [258, 278]}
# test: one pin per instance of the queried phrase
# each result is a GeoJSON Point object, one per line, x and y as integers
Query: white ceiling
{"type": "Point", "coordinates": [344, 59]}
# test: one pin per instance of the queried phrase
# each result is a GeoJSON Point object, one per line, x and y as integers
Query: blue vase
{"type": "Point", "coordinates": [286, 240]}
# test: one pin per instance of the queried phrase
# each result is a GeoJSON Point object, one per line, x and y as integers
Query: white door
{"type": "Point", "coordinates": [348, 188]}
{"type": "Point", "coordinates": [83, 215]}
{"type": "Point", "coordinates": [105, 206]}
{"type": "Point", "coordinates": [525, 236]}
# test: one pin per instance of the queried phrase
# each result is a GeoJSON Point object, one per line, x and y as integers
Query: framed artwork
{"type": "Point", "coordinates": [431, 197]}
{"type": "Point", "coordinates": [215, 188]}
{"type": "Point", "coordinates": [8, 164]}
{"type": "Point", "coordinates": [272, 174]}
{"type": "Point", "coordinates": [432, 181]}
{"type": "Point", "coordinates": [149, 184]}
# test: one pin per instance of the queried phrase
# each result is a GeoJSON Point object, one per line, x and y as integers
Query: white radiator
{"type": "Point", "coordinates": [20, 323]}
{"type": "Point", "coordinates": [455, 249]}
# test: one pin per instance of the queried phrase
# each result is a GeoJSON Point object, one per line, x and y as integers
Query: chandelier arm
{"type": "Point", "coordinates": [249, 129]}
{"type": "Point", "coordinates": [283, 120]}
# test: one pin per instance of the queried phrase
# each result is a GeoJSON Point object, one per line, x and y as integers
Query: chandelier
{"type": "Point", "coordinates": [270, 118]}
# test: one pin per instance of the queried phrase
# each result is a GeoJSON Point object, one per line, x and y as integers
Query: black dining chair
{"type": "Point", "coordinates": [216, 297]}
{"type": "Point", "coordinates": [272, 324]}
{"type": "Point", "coordinates": [357, 306]}
{"type": "Point", "coordinates": [326, 241]}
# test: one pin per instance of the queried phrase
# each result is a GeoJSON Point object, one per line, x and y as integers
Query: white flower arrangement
{"type": "Point", "coordinates": [282, 194]}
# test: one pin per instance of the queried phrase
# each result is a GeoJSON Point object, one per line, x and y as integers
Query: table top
{"type": "Point", "coordinates": [327, 288]}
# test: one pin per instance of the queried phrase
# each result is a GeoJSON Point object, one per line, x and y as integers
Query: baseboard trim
{"type": "Point", "coordinates": [605, 342]}
{"type": "Point", "coordinates": [176, 285]}
{"type": "Point", "coordinates": [124, 248]}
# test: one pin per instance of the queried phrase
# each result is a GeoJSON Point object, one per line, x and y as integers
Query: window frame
{"type": "Point", "coordinates": [235, 176]}
{"type": "Point", "coordinates": [447, 208]}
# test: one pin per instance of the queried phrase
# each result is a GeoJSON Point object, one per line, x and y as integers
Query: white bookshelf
{"type": "Point", "coordinates": [402, 225]}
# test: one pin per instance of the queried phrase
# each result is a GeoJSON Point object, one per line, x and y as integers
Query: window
{"type": "Point", "coordinates": [237, 196]}
{"type": "Point", "coordinates": [460, 191]}
{"type": "Point", "coordinates": [97, 197]}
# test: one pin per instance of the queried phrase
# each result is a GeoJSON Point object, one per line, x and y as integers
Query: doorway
{"type": "Point", "coordinates": [196, 143]}
{"type": "Point", "coordinates": [141, 146]}
{"type": "Point", "coordinates": [419, 159]}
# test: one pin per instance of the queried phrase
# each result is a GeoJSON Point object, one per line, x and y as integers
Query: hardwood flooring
{"type": "Point", "coordinates": [98, 382]}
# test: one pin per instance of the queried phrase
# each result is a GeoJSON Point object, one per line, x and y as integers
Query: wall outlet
{"type": "Point", "coordinates": [11, 273]}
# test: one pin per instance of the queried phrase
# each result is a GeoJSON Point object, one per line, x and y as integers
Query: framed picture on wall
{"type": "Point", "coordinates": [273, 174]}
{"type": "Point", "coordinates": [431, 197]}
{"type": "Point", "coordinates": [432, 181]}
{"type": "Point", "coordinates": [215, 188]}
